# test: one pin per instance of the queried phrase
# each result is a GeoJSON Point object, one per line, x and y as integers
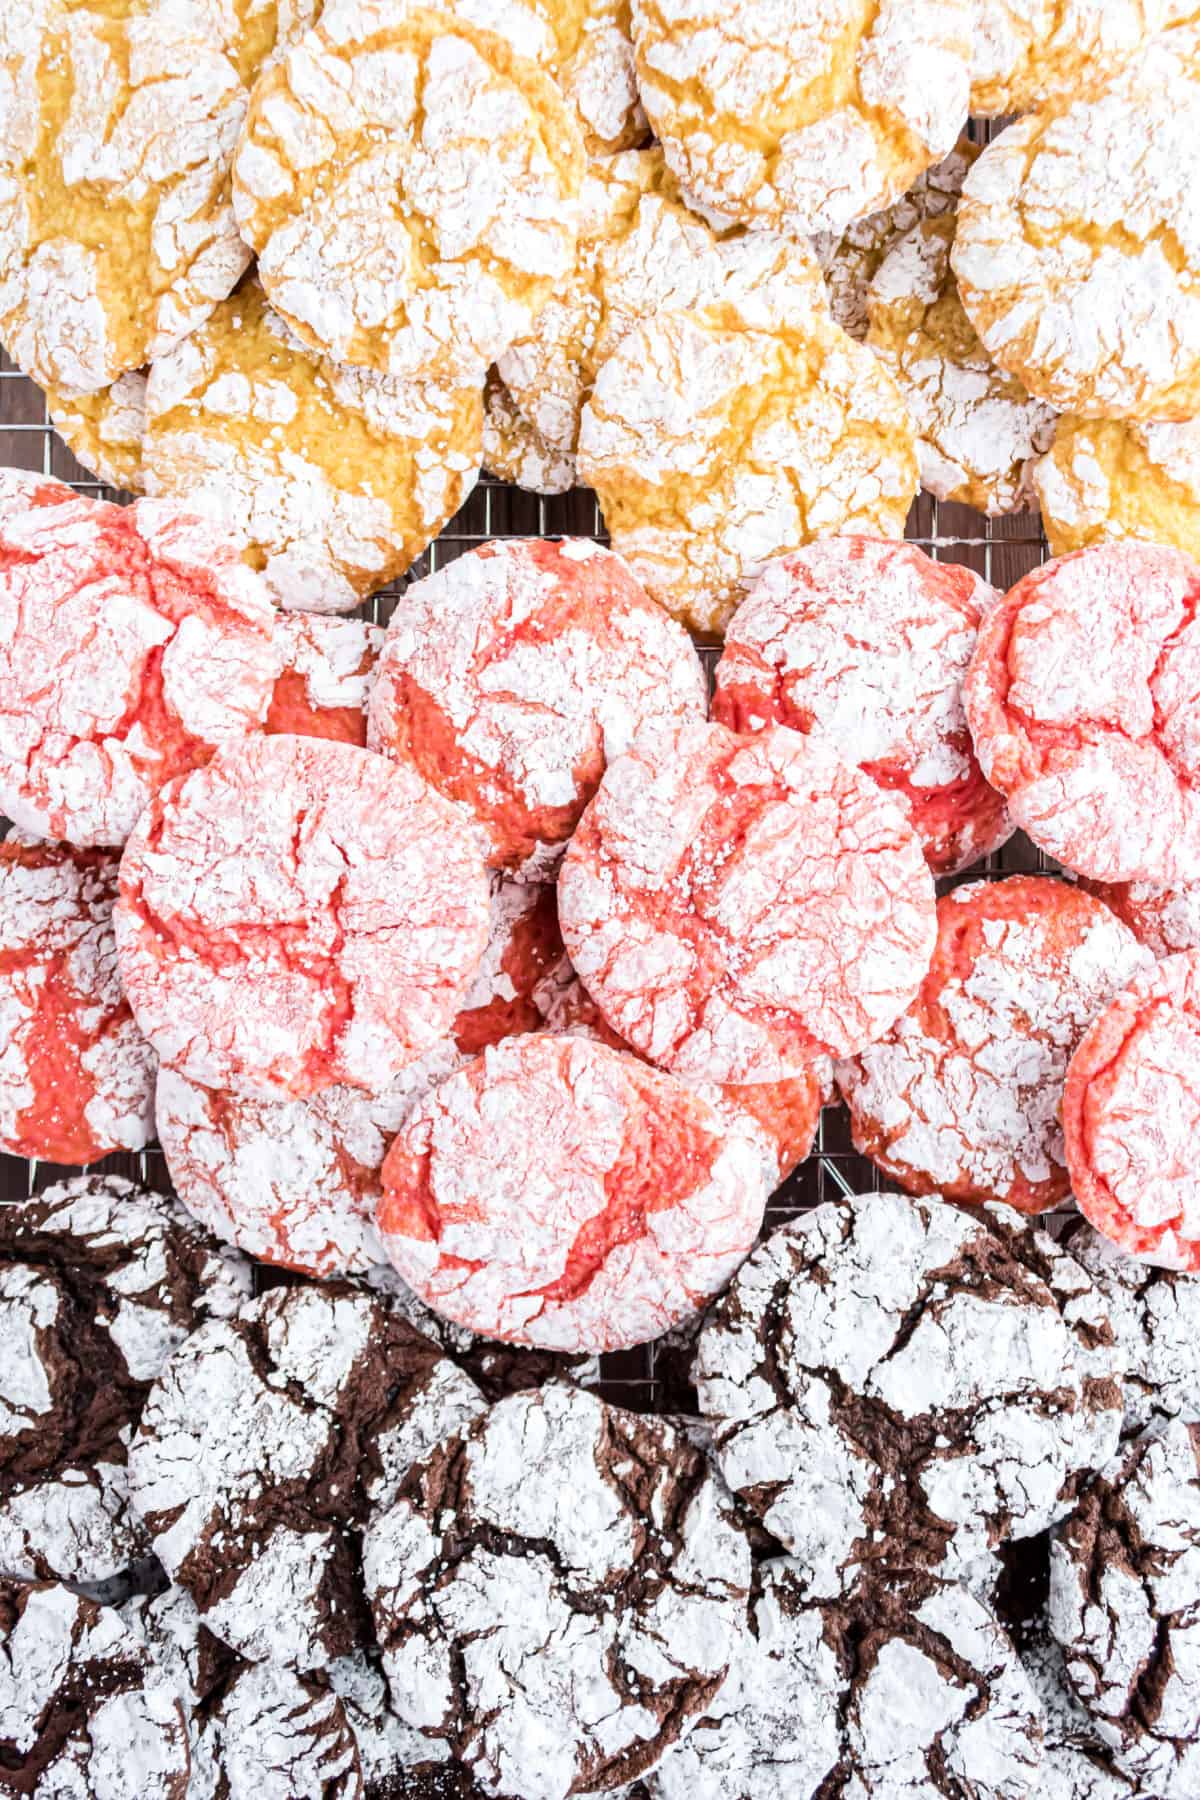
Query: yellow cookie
{"type": "Point", "coordinates": [411, 187]}
{"type": "Point", "coordinates": [515, 451]}
{"type": "Point", "coordinates": [714, 444]}
{"type": "Point", "coordinates": [104, 431]}
{"type": "Point", "coordinates": [1027, 52]}
{"type": "Point", "coordinates": [802, 114]}
{"type": "Point", "coordinates": [253, 33]}
{"type": "Point", "coordinates": [336, 479]}
{"type": "Point", "coordinates": [1107, 479]}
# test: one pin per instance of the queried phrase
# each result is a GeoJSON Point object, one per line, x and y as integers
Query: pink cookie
{"type": "Point", "coordinates": [1166, 920]}
{"type": "Point", "coordinates": [866, 642]}
{"type": "Point", "coordinates": [1131, 1114]}
{"type": "Point", "coordinates": [299, 914]}
{"type": "Point", "coordinates": [1082, 702]}
{"type": "Point", "coordinates": [327, 666]}
{"type": "Point", "coordinates": [560, 1194]}
{"type": "Point", "coordinates": [133, 643]}
{"type": "Point", "coordinates": [739, 906]}
{"type": "Point", "coordinates": [511, 676]}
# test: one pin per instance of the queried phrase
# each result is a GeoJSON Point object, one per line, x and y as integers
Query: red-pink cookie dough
{"type": "Point", "coordinates": [561, 1194]}
{"type": "Point", "coordinates": [133, 643]}
{"type": "Point", "coordinates": [1082, 700]}
{"type": "Point", "coordinates": [1131, 1115]}
{"type": "Point", "coordinates": [299, 914]}
{"type": "Point", "coordinates": [326, 667]}
{"type": "Point", "coordinates": [511, 676]}
{"type": "Point", "coordinates": [1166, 920]}
{"type": "Point", "coordinates": [738, 906]}
{"type": "Point", "coordinates": [866, 642]}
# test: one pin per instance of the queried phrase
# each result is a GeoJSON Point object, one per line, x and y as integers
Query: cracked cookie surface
{"type": "Point", "coordinates": [1105, 479]}
{"type": "Point", "coordinates": [328, 666]}
{"type": "Point", "coordinates": [104, 431]}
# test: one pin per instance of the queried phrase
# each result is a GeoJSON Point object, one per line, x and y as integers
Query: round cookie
{"type": "Point", "coordinates": [1131, 1116]}
{"type": "Point", "coordinates": [964, 1094]}
{"type": "Point", "coordinates": [1078, 244]}
{"type": "Point", "coordinates": [83, 1709]}
{"type": "Point", "coordinates": [1155, 1316]}
{"type": "Point", "coordinates": [328, 667]}
{"type": "Point", "coordinates": [99, 1283]}
{"type": "Point", "coordinates": [335, 950]}
{"type": "Point", "coordinates": [865, 643]}
{"type": "Point", "coordinates": [1076, 1763]}
{"type": "Point", "coordinates": [332, 479]}
{"type": "Point", "coordinates": [801, 117]}
{"type": "Point", "coordinates": [714, 444]}
{"type": "Point", "coordinates": [561, 1194]}
{"type": "Point", "coordinates": [261, 1448]}
{"type": "Point", "coordinates": [1124, 1588]}
{"type": "Point", "coordinates": [559, 1595]}
{"type": "Point", "coordinates": [1166, 920]}
{"type": "Point", "coordinates": [1081, 702]}
{"type": "Point", "coordinates": [76, 1074]}
{"type": "Point", "coordinates": [511, 676]}
{"type": "Point", "coordinates": [133, 643]}
{"type": "Point", "coordinates": [891, 1384]}
{"type": "Point", "coordinates": [515, 451]}
{"type": "Point", "coordinates": [739, 906]}
{"type": "Point", "coordinates": [978, 431]}
{"type": "Point", "coordinates": [1027, 52]}
{"type": "Point", "coordinates": [1105, 479]}
{"type": "Point", "coordinates": [351, 179]}
{"type": "Point", "coordinates": [104, 430]}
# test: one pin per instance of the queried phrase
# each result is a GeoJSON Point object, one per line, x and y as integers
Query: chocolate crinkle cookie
{"type": "Point", "coordinates": [1076, 1763]}
{"type": "Point", "coordinates": [558, 1593]}
{"type": "Point", "coordinates": [896, 1384]}
{"type": "Point", "coordinates": [1155, 1314]}
{"type": "Point", "coordinates": [263, 1446]}
{"type": "Point", "coordinates": [100, 1282]}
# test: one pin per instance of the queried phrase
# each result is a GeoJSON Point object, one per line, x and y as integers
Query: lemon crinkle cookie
{"type": "Point", "coordinates": [104, 430]}
{"type": "Point", "coordinates": [1111, 478]}
{"type": "Point", "coordinates": [1027, 52]}
{"type": "Point", "coordinates": [515, 450]}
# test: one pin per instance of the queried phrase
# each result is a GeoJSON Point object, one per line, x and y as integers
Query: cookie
{"type": "Point", "coordinates": [1079, 700]}
{"type": "Point", "coordinates": [328, 667]}
{"type": "Point", "coordinates": [561, 1194]}
{"type": "Point", "coordinates": [515, 451]}
{"type": "Point", "coordinates": [1076, 1763]}
{"type": "Point", "coordinates": [261, 1448]}
{"type": "Point", "coordinates": [802, 118]}
{"type": "Point", "coordinates": [714, 444]}
{"type": "Point", "coordinates": [1166, 920]}
{"type": "Point", "coordinates": [1074, 251]}
{"type": "Point", "coordinates": [557, 1595]}
{"type": "Point", "coordinates": [99, 1283]}
{"type": "Point", "coordinates": [1124, 1586]}
{"type": "Point", "coordinates": [350, 183]}
{"type": "Point", "coordinates": [891, 1385]}
{"type": "Point", "coordinates": [299, 914]}
{"type": "Point", "coordinates": [964, 1094]}
{"type": "Point", "coordinates": [1105, 479]}
{"type": "Point", "coordinates": [332, 479]}
{"type": "Point", "coordinates": [104, 430]}
{"type": "Point", "coordinates": [865, 643]}
{"type": "Point", "coordinates": [83, 1710]}
{"type": "Point", "coordinates": [1131, 1116]}
{"type": "Point", "coordinates": [979, 432]}
{"type": "Point", "coordinates": [916, 1691]}
{"type": "Point", "coordinates": [133, 643]}
{"type": "Point", "coordinates": [1027, 52]}
{"type": "Point", "coordinates": [76, 1074]}
{"type": "Point", "coordinates": [511, 676]}
{"type": "Point", "coordinates": [739, 906]}
{"type": "Point", "coordinates": [1155, 1316]}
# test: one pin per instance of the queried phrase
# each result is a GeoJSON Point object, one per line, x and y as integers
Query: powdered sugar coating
{"type": "Point", "coordinates": [1076, 1764]}
{"type": "Point", "coordinates": [561, 1194]}
{"type": "Point", "coordinates": [715, 444]}
{"type": "Point", "coordinates": [1080, 699]}
{"type": "Point", "coordinates": [802, 116]}
{"type": "Point", "coordinates": [104, 431]}
{"type": "Point", "coordinates": [337, 952]}
{"type": "Point", "coordinates": [1131, 1116]}
{"type": "Point", "coordinates": [76, 1074]}
{"type": "Point", "coordinates": [560, 1597]}
{"type": "Point", "coordinates": [865, 643]}
{"type": "Point", "coordinates": [410, 187]}
{"type": "Point", "coordinates": [963, 1096]}
{"type": "Point", "coordinates": [133, 643]}
{"type": "Point", "coordinates": [738, 906]}
{"type": "Point", "coordinates": [1078, 244]}
{"type": "Point", "coordinates": [1166, 920]}
{"type": "Point", "coordinates": [328, 666]}
{"type": "Point", "coordinates": [1026, 52]}
{"type": "Point", "coordinates": [332, 479]}
{"type": "Point", "coordinates": [1105, 479]}
{"type": "Point", "coordinates": [514, 450]}
{"type": "Point", "coordinates": [1155, 1315]}
{"type": "Point", "coordinates": [511, 676]}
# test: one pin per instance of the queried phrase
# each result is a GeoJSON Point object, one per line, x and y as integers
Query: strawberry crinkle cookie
{"type": "Point", "coordinates": [866, 642]}
{"type": "Point", "coordinates": [76, 1074]}
{"type": "Point", "coordinates": [1131, 1116]}
{"type": "Point", "coordinates": [561, 1194]}
{"type": "Point", "coordinates": [740, 906]}
{"type": "Point", "coordinates": [509, 677]}
{"type": "Point", "coordinates": [1166, 920]}
{"type": "Point", "coordinates": [297, 915]}
{"type": "Point", "coordinates": [1081, 698]}
{"type": "Point", "coordinates": [133, 643]}
{"type": "Point", "coordinates": [327, 665]}
{"type": "Point", "coordinates": [963, 1095]}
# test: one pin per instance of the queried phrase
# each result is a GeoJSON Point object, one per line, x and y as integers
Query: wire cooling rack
{"type": "Point", "coordinates": [1001, 550]}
